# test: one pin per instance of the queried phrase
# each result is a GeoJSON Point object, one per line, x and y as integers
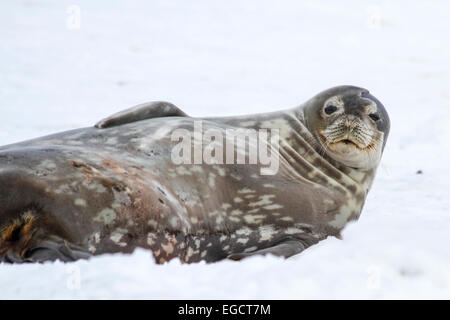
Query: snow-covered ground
{"type": "Point", "coordinates": [234, 57]}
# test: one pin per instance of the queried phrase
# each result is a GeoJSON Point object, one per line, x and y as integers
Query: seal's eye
{"type": "Point", "coordinates": [330, 109]}
{"type": "Point", "coordinates": [374, 116]}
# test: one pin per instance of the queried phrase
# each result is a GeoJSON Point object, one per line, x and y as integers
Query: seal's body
{"type": "Point", "coordinates": [115, 187]}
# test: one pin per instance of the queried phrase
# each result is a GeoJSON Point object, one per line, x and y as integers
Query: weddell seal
{"type": "Point", "coordinates": [138, 179]}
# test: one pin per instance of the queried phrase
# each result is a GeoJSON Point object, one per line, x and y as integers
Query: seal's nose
{"type": "Point", "coordinates": [351, 122]}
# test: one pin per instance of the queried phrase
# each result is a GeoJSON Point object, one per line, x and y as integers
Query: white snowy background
{"type": "Point", "coordinates": [66, 64]}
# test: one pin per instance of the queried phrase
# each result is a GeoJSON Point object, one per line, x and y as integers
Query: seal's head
{"type": "Point", "coordinates": [350, 124]}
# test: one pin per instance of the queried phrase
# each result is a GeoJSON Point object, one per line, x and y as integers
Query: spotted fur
{"type": "Point", "coordinates": [113, 188]}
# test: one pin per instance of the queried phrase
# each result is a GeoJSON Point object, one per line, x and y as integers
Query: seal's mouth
{"type": "Point", "coordinates": [351, 141]}
{"type": "Point", "coordinates": [347, 141]}
{"type": "Point", "coordinates": [347, 134]}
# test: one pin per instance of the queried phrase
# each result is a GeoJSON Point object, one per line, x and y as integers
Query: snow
{"type": "Point", "coordinates": [236, 57]}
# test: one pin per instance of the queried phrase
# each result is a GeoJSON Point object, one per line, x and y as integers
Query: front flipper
{"type": "Point", "coordinates": [284, 249]}
{"type": "Point", "coordinates": [27, 239]}
{"type": "Point", "coordinates": [149, 110]}
{"type": "Point", "coordinates": [51, 251]}
{"type": "Point", "coordinates": [46, 250]}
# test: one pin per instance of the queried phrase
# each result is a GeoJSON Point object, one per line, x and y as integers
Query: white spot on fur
{"type": "Point", "coordinates": [234, 219]}
{"type": "Point", "coordinates": [253, 219]}
{"type": "Point", "coordinates": [244, 231]}
{"type": "Point", "coordinates": [226, 206]}
{"type": "Point", "coordinates": [212, 180]}
{"type": "Point", "coordinates": [106, 216]}
{"type": "Point", "coordinates": [242, 240]}
{"type": "Point", "coordinates": [190, 252]}
{"type": "Point", "coordinates": [219, 220]}
{"type": "Point", "coordinates": [151, 239]}
{"type": "Point", "coordinates": [94, 186]}
{"type": "Point", "coordinates": [292, 230]}
{"type": "Point", "coordinates": [182, 171]}
{"type": "Point", "coordinates": [264, 200]}
{"type": "Point", "coordinates": [47, 164]}
{"type": "Point", "coordinates": [64, 188]}
{"type": "Point", "coordinates": [266, 233]}
{"type": "Point", "coordinates": [246, 190]}
{"type": "Point", "coordinates": [196, 168]}
{"type": "Point", "coordinates": [273, 207]}
{"type": "Point", "coordinates": [173, 221]}
{"type": "Point", "coordinates": [80, 202]}
{"type": "Point", "coordinates": [152, 223]}
{"type": "Point", "coordinates": [112, 141]}
{"type": "Point", "coordinates": [117, 235]}
{"type": "Point", "coordinates": [221, 171]}
{"type": "Point", "coordinates": [345, 213]}
{"type": "Point", "coordinates": [278, 123]}
{"type": "Point", "coordinates": [194, 220]}
{"type": "Point", "coordinates": [237, 200]}
{"type": "Point", "coordinates": [235, 176]}
{"type": "Point", "coordinates": [97, 237]}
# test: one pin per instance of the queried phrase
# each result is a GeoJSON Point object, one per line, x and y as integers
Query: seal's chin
{"type": "Point", "coordinates": [346, 148]}
{"type": "Point", "coordinates": [352, 154]}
